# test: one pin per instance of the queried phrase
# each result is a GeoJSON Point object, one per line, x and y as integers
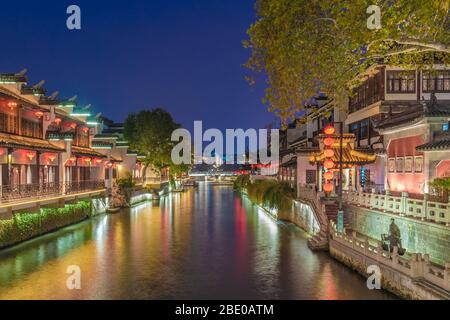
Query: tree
{"type": "Point", "coordinates": [149, 132]}
{"type": "Point", "coordinates": [309, 46]}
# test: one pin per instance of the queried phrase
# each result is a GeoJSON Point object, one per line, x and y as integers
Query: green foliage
{"type": "Point", "coordinates": [149, 132]}
{"type": "Point", "coordinates": [440, 185]}
{"type": "Point", "coordinates": [125, 188]}
{"type": "Point", "coordinates": [25, 225]}
{"type": "Point", "coordinates": [308, 46]}
{"type": "Point", "coordinates": [241, 182]}
{"type": "Point", "coordinates": [269, 193]}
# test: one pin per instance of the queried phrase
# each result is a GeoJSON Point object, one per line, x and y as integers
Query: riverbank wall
{"type": "Point", "coordinates": [417, 235]}
{"type": "Point", "coordinates": [415, 277]}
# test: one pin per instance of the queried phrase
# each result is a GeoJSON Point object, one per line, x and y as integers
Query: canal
{"type": "Point", "coordinates": [206, 243]}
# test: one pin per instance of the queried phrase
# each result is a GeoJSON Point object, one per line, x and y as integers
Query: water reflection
{"type": "Point", "coordinates": [206, 243]}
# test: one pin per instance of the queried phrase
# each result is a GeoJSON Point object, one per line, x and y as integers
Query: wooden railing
{"type": "Point", "coordinates": [402, 205]}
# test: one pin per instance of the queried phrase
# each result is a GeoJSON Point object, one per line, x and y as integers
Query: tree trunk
{"type": "Point", "coordinates": [144, 174]}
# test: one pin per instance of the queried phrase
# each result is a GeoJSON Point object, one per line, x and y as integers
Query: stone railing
{"type": "Point", "coordinates": [402, 205]}
{"type": "Point", "coordinates": [416, 266]}
{"type": "Point", "coordinates": [11, 193]}
{"type": "Point", "coordinates": [309, 194]}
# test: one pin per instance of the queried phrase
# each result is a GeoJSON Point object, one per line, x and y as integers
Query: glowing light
{"type": "Point", "coordinates": [73, 159]}
{"type": "Point", "coordinates": [328, 187]}
{"type": "Point", "coordinates": [51, 157]}
{"type": "Point", "coordinates": [58, 121]}
{"type": "Point", "coordinates": [39, 114]}
{"type": "Point", "coordinates": [73, 125]}
{"type": "Point", "coordinates": [328, 164]}
{"type": "Point", "coordinates": [329, 153]}
{"type": "Point", "coordinates": [98, 161]}
{"type": "Point", "coordinates": [328, 141]}
{"type": "Point", "coordinates": [329, 129]}
{"type": "Point", "coordinates": [12, 104]}
{"type": "Point", "coordinates": [87, 159]}
{"type": "Point", "coordinates": [85, 129]}
{"type": "Point", "coordinates": [328, 175]}
{"type": "Point", "coordinates": [30, 155]}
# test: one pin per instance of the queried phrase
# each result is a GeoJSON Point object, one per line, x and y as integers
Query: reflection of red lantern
{"type": "Point", "coordinates": [39, 114]}
{"type": "Point", "coordinates": [73, 125]}
{"type": "Point", "coordinates": [328, 141]}
{"type": "Point", "coordinates": [328, 175]}
{"type": "Point", "coordinates": [58, 121]}
{"type": "Point", "coordinates": [87, 159]}
{"type": "Point", "coordinates": [329, 153]}
{"type": "Point", "coordinates": [99, 161]}
{"type": "Point", "coordinates": [328, 164]}
{"type": "Point", "coordinates": [328, 187]}
{"type": "Point", "coordinates": [109, 164]}
{"type": "Point", "coordinates": [85, 129]}
{"type": "Point", "coordinates": [73, 159]}
{"type": "Point", "coordinates": [329, 129]}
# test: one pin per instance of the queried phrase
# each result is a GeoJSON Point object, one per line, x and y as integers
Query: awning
{"type": "Point", "coordinates": [349, 156]}
{"type": "Point", "coordinates": [13, 141]}
{"type": "Point", "coordinates": [83, 151]}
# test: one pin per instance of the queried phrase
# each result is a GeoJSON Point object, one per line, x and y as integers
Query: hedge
{"type": "Point", "coordinates": [27, 225]}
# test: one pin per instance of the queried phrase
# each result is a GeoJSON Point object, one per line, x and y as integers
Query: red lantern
{"type": "Point", "coordinates": [12, 104]}
{"type": "Point", "coordinates": [73, 159]}
{"type": "Point", "coordinates": [73, 125]}
{"type": "Point", "coordinates": [328, 141]}
{"type": "Point", "coordinates": [328, 164]}
{"type": "Point", "coordinates": [87, 159]}
{"type": "Point", "coordinates": [85, 129]}
{"type": "Point", "coordinates": [329, 153]}
{"type": "Point", "coordinates": [328, 187]}
{"type": "Point", "coordinates": [328, 175]}
{"type": "Point", "coordinates": [58, 121]}
{"type": "Point", "coordinates": [39, 114]}
{"type": "Point", "coordinates": [99, 161]}
{"type": "Point", "coordinates": [51, 157]}
{"type": "Point", "coordinates": [329, 129]}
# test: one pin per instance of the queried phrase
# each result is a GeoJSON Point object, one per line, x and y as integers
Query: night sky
{"type": "Point", "coordinates": [183, 55]}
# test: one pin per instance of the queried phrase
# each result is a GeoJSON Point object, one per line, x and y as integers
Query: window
{"type": "Point", "coordinates": [436, 81]}
{"type": "Point", "coordinates": [310, 176]}
{"type": "Point", "coordinates": [445, 127]}
{"type": "Point", "coordinates": [401, 81]}
{"type": "Point", "coordinates": [364, 129]}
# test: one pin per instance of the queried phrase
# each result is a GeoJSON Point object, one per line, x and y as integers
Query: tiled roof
{"type": "Point", "coordinates": [435, 145]}
{"type": "Point", "coordinates": [83, 151]}
{"type": "Point", "coordinates": [414, 114]}
{"type": "Point", "coordinates": [101, 144]}
{"type": "Point", "coordinates": [14, 141]}
{"type": "Point", "coordinates": [349, 156]}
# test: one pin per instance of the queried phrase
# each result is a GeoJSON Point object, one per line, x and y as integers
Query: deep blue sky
{"type": "Point", "coordinates": [183, 55]}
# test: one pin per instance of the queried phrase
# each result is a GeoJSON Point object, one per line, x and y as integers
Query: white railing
{"type": "Point", "coordinates": [402, 205]}
{"type": "Point", "coordinates": [311, 195]}
{"type": "Point", "coordinates": [416, 266]}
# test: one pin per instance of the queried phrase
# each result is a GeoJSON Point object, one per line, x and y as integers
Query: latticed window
{"type": "Point", "coordinates": [401, 81]}
{"type": "Point", "coordinates": [8, 123]}
{"type": "Point", "coordinates": [310, 176]}
{"type": "Point", "coordinates": [436, 81]}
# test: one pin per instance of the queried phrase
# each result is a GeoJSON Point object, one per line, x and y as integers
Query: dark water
{"type": "Point", "coordinates": [206, 243]}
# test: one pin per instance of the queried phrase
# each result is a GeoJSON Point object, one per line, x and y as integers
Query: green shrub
{"type": "Point", "coordinates": [26, 225]}
{"type": "Point", "coordinates": [269, 193]}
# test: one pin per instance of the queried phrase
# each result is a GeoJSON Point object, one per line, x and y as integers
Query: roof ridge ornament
{"type": "Point", "coordinates": [21, 73]}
